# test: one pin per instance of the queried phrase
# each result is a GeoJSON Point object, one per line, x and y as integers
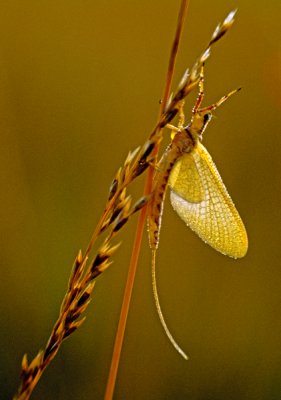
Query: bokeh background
{"type": "Point", "coordinates": [80, 84]}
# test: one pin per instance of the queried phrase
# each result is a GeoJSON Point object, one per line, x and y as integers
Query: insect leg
{"type": "Point", "coordinates": [181, 115]}
{"type": "Point", "coordinates": [220, 102]}
{"type": "Point", "coordinates": [201, 91]}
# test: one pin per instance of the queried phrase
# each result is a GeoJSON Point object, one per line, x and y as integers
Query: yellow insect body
{"type": "Point", "coordinates": [198, 194]}
{"type": "Point", "coordinates": [200, 198]}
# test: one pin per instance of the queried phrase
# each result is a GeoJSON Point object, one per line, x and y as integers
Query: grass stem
{"type": "Point", "coordinates": [142, 217]}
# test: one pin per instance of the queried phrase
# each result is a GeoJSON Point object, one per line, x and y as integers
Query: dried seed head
{"type": "Point", "coordinates": [194, 72]}
{"type": "Point", "coordinates": [140, 204]}
{"type": "Point", "coordinates": [142, 162]}
{"type": "Point", "coordinates": [51, 350]}
{"type": "Point", "coordinates": [205, 56]}
{"type": "Point", "coordinates": [116, 208]}
{"type": "Point", "coordinates": [126, 177]}
{"type": "Point", "coordinates": [131, 156]}
{"type": "Point", "coordinates": [76, 271]}
{"type": "Point", "coordinates": [72, 327]}
{"type": "Point", "coordinates": [115, 184]}
{"type": "Point", "coordinates": [127, 205]}
{"type": "Point", "coordinates": [37, 360]}
{"type": "Point", "coordinates": [191, 86]}
{"type": "Point", "coordinates": [100, 268]}
{"type": "Point", "coordinates": [101, 258]}
{"type": "Point", "coordinates": [123, 215]}
{"type": "Point", "coordinates": [119, 224]}
{"type": "Point", "coordinates": [113, 188]}
{"type": "Point", "coordinates": [24, 364]}
{"type": "Point", "coordinates": [169, 102]}
{"type": "Point", "coordinates": [221, 29]}
{"type": "Point", "coordinates": [111, 249]}
{"type": "Point", "coordinates": [146, 150]}
{"type": "Point", "coordinates": [183, 80]}
{"type": "Point", "coordinates": [140, 168]}
{"type": "Point", "coordinates": [85, 295]}
{"type": "Point", "coordinates": [228, 22]}
{"type": "Point", "coordinates": [105, 225]}
{"type": "Point", "coordinates": [79, 257]}
{"type": "Point", "coordinates": [168, 116]}
{"type": "Point", "coordinates": [116, 212]}
{"type": "Point", "coordinates": [104, 266]}
{"type": "Point", "coordinates": [121, 210]}
{"type": "Point", "coordinates": [72, 295]}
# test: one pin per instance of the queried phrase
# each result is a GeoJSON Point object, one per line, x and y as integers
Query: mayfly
{"type": "Point", "coordinates": [197, 194]}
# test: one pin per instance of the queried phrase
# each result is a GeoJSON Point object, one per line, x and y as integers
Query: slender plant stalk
{"type": "Point", "coordinates": [142, 217]}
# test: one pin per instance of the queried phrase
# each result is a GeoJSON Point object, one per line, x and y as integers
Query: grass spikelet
{"type": "Point", "coordinates": [81, 283]}
{"type": "Point", "coordinates": [221, 29]}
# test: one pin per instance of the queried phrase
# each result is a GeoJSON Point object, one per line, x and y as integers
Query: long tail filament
{"type": "Point", "coordinates": [159, 311]}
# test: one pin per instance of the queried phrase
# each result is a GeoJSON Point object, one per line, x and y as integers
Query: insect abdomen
{"type": "Point", "coordinates": [160, 183]}
{"type": "Point", "coordinates": [182, 143]}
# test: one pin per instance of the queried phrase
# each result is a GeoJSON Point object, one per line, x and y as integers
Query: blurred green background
{"type": "Point", "coordinates": [80, 83]}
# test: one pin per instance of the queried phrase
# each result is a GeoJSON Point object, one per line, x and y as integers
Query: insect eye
{"type": "Point", "coordinates": [207, 117]}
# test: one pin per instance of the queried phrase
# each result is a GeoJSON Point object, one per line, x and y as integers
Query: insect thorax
{"type": "Point", "coordinates": [183, 142]}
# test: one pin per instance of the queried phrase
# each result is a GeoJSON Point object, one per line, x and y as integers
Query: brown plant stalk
{"type": "Point", "coordinates": [142, 217]}
{"type": "Point", "coordinates": [118, 210]}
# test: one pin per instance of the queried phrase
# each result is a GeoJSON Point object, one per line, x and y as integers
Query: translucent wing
{"type": "Point", "coordinates": [200, 198]}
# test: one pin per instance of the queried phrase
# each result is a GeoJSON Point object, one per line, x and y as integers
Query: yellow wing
{"type": "Point", "coordinates": [200, 198]}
